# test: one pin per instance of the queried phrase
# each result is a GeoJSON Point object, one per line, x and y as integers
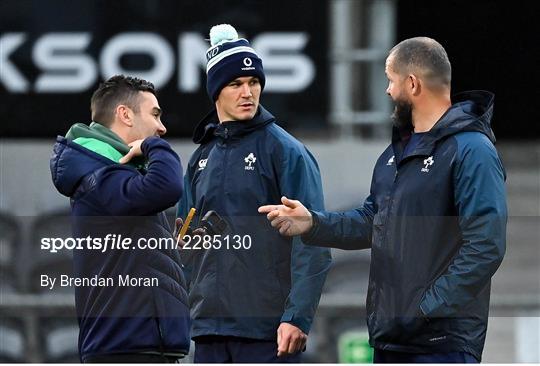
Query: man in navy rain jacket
{"type": "Point", "coordinates": [254, 303]}
{"type": "Point", "coordinates": [435, 219]}
{"type": "Point", "coordinates": [147, 320]}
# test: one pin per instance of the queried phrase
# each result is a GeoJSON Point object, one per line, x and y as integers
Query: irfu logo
{"type": "Point", "coordinates": [427, 163]}
{"type": "Point", "coordinates": [250, 159]}
{"type": "Point", "coordinates": [202, 163]}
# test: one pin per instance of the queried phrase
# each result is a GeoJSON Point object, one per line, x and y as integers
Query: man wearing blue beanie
{"type": "Point", "coordinates": [253, 293]}
{"type": "Point", "coordinates": [230, 57]}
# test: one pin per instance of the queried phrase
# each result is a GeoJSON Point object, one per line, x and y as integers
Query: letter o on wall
{"type": "Point", "coordinates": [142, 43]}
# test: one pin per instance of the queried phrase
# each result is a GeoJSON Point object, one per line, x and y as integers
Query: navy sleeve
{"type": "Point", "coordinates": [127, 192]}
{"type": "Point", "coordinates": [300, 179]}
{"type": "Point", "coordinates": [480, 199]}
{"type": "Point", "coordinates": [347, 230]}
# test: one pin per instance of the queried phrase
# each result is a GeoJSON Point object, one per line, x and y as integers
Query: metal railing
{"type": "Point", "coordinates": [361, 33]}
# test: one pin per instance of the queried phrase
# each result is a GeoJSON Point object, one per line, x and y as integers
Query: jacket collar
{"type": "Point", "coordinates": [471, 111]}
{"type": "Point", "coordinates": [104, 134]}
{"type": "Point", "coordinates": [209, 127]}
{"type": "Point", "coordinates": [98, 132]}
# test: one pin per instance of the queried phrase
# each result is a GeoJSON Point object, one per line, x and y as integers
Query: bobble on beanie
{"type": "Point", "coordinates": [222, 33]}
{"type": "Point", "coordinates": [228, 58]}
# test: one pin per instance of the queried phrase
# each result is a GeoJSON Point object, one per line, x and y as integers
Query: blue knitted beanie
{"type": "Point", "coordinates": [228, 58]}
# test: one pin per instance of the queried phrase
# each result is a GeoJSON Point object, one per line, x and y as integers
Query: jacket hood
{"type": "Point", "coordinates": [209, 126]}
{"type": "Point", "coordinates": [99, 132]}
{"type": "Point", "coordinates": [70, 162]}
{"type": "Point", "coordinates": [470, 112]}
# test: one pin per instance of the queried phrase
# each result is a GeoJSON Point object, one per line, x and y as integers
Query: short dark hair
{"type": "Point", "coordinates": [118, 89]}
{"type": "Point", "coordinates": [424, 56]}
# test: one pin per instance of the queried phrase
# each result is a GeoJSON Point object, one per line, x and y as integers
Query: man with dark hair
{"type": "Point", "coordinates": [120, 176]}
{"type": "Point", "coordinates": [255, 303]}
{"type": "Point", "coordinates": [435, 219]}
{"type": "Point", "coordinates": [117, 90]}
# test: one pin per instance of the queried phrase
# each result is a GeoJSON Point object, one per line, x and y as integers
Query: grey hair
{"type": "Point", "coordinates": [424, 57]}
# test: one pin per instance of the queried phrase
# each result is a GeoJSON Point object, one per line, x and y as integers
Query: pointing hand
{"type": "Point", "coordinates": [291, 218]}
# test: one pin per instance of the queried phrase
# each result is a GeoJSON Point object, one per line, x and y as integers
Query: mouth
{"type": "Point", "coordinates": [247, 105]}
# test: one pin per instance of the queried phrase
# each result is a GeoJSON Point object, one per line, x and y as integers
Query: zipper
{"type": "Point", "coordinates": [372, 317]}
{"type": "Point", "coordinates": [391, 199]}
{"type": "Point", "coordinates": [389, 207]}
{"type": "Point", "coordinates": [218, 268]}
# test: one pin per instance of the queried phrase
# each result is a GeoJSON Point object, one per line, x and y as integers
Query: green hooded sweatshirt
{"type": "Point", "coordinates": [102, 141]}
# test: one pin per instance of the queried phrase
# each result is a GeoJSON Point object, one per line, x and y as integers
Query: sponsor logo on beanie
{"type": "Point", "coordinates": [228, 58]}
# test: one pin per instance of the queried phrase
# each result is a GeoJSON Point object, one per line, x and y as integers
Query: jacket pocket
{"type": "Point", "coordinates": [173, 321]}
{"type": "Point", "coordinates": [378, 234]}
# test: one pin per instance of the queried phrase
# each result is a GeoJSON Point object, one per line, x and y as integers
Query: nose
{"type": "Point", "coordinates": [162, 130]}
{"type": "Point", "coordinates": [388, 90]}
{"type": "Point", "coordinates": [246, 91]}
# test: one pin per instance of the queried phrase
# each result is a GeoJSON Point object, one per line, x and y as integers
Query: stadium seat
{"type": "Point", "coordinates": [43, 262]}
{"type": "Point", "coordinates": [12, 341]}
{"type": "Point", "coordinates": [10, 242]}
{"type": "Point", "coordinates": [58, 337]}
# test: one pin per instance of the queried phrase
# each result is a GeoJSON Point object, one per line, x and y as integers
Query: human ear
{"type": "Point", "coordinates": [415, 86]}
{"type": "Point", "coordinates": [123, 113]}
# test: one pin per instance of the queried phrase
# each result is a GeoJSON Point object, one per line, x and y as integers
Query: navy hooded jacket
{"type": "Point", "coordinates": [110, 198]}
{"type": "Point", "coordinates": [435, 221]}
{"type": "Point", "coordinates": [238, 167]}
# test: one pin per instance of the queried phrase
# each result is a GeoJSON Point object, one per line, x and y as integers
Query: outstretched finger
{"type": "Point", "coordinates": [267, 208]}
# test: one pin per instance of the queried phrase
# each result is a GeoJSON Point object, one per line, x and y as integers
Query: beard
{"type": "Point", "coordinates": [402, 115]}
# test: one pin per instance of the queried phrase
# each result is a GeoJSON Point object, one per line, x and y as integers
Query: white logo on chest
{"type": "Point", "coordinates": [202, 163]}
{"type": "Point", "coordinates": [250, 159]}
{"type": "Point", "coordinates": [427, 163]}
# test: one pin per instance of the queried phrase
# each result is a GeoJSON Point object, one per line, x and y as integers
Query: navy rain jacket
{"type": "Point", "coordinates": [110, 198]}
{"type": "Point", "coordinates": [435, 221]}
{"type": "Point", "coordinates": [238, 167]}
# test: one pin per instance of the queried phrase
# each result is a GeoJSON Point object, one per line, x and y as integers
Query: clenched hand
{"type": "Point", "coordinates": [290, 339]}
